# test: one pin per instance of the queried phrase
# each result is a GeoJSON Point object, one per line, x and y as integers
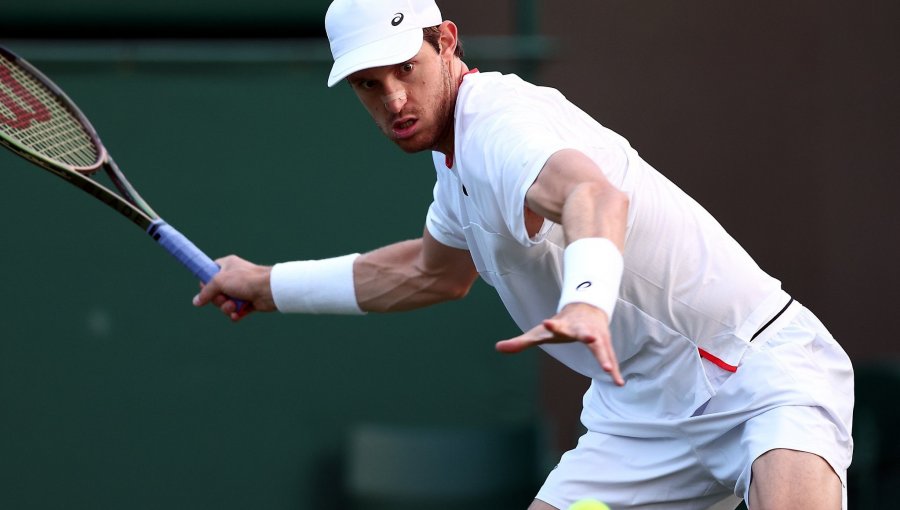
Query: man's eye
{"type": "Point", "coordinates": [408, 67]}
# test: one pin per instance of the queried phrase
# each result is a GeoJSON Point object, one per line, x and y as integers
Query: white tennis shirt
{"type": "Point", "coordinates": [688, 288]}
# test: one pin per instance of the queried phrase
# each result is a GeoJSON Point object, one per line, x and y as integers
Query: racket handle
{"type": "Point", "coordinates": [186, 252]}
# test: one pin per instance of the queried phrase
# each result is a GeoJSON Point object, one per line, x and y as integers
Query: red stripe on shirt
{"type": "Point", "coordinates": [716, 361]}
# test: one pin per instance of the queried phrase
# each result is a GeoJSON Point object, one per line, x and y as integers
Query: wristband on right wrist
{"type": "Point", "coordinates": [592, 272]}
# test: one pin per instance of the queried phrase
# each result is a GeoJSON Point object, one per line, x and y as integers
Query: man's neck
{"type": "Point", "coordinates": [458, 70]}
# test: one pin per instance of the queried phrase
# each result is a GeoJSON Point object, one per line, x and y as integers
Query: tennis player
{"type": "Point", "coordinates": [710, 384]}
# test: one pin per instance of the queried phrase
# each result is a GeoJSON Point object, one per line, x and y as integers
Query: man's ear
{"type": "Point", "coordinates": [449, 38]}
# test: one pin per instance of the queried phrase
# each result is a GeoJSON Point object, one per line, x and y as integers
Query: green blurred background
{"type": "Point", "coordinates": [119, 394]}
{"type": "Point", "coordinates": [116, 393]}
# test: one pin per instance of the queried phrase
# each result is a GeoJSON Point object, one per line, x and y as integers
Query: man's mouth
{"type": "Point", "coordinates": [404, 128]}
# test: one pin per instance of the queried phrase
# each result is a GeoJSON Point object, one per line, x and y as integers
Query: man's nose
{"type": "Point", "coordinates": [394, 101]}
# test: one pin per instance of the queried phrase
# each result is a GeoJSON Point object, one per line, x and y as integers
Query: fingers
{"type": "Point", "coordinates": [227, 306]}
{"type": "Point", "coordinates": [535, 336]}
{"type": "Point", "coordinates": [565, 330]}
{"type": "Point", "coordinates": [514, 345]}
{"type": "Point", "coordinates": [605, 354]}
{"type": "Point", "coordinates": [210, 294]}
{"type": "Point", "coordinates": [595, 335]}
{"type": "Point", "coordinates": [236, 280]}
{"type": "Point", "coordinates": [600, 345]}
{"type": "Point", "coordinates": [541, 334]}
{"type": "Point", "coordinates": [230, 308]}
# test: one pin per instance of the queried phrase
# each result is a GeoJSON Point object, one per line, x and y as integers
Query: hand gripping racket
{"type": "Point", "coordinates": [41, 124]}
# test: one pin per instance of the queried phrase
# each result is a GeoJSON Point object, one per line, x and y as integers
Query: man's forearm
{"type": "Point", "coordinates": [411, 274]}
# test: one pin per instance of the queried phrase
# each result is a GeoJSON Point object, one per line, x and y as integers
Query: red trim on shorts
{"type": "Point", "coordinates": [716, 361]}
{"type": "Point", "coordinates": [448, 159]}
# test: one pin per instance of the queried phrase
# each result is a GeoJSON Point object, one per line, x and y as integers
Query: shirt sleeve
{"type": "Point", "coordinates": [443, 218]}
{"type": "Point", "coordinates": [504, 154]}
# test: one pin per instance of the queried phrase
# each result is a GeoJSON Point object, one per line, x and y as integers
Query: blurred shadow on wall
{"type": "Point", "coordinates": [875, 472]}
{"type": "Point", "coordinates": [410, 467]}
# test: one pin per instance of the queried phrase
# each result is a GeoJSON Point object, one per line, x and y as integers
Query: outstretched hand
{"type": "Point", "coordinates": [238, 279]}
{"type": "Point", "coordinates": [576, 322]}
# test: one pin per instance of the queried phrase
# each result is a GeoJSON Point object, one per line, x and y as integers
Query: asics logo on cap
{"type": "Point", "coordinates": [398, 18]}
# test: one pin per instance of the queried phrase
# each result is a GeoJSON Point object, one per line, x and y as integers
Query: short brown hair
{"type": "Point", "coordinates": [432, 36]}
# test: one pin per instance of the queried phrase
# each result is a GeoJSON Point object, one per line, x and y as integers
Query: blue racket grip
{"type": "Point", "coordinates": [186, 252]}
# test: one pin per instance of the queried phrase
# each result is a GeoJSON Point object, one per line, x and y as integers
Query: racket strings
{"type": "Point", "coordinates": [31, 114]}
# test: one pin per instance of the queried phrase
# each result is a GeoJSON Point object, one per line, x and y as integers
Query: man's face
{"type": "Point", "coordinates": [411, 102]}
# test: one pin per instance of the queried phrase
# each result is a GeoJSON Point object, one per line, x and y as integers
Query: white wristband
{"type": "Point", "coordinates": [316, 286]}
{"type": "Point", "coordinates": [592, 271]}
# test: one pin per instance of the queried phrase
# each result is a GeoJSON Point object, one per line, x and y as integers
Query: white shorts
{"type": "Point", "coordinates": [794, 390]}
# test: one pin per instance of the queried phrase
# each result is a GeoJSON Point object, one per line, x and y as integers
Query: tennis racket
{"type": "Point", "coordinates": [41, 124]}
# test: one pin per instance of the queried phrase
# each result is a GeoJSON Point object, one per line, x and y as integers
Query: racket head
{"type": "Point", "coordinates": [40, 123]}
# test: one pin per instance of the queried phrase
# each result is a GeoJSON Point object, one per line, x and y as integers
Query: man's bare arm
{"type": "Point", "coordinates": [573, 191]}
{"type": "Point", "coordinates": [412, 274]}
{"type": "Point", "coordinates": [401, 276]}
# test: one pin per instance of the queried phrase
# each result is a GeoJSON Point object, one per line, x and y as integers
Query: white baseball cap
{"type": "Point", "coordinates": [373, 33]}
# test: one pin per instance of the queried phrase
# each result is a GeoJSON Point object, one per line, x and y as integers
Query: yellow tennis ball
{"type": "Point", "coordinates": [588, 504]}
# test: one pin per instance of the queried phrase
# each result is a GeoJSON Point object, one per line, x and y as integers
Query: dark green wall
{"type": "Point", "coordinates": [116, 393]}
{"type": "Point", "coordinates": [109, 13]}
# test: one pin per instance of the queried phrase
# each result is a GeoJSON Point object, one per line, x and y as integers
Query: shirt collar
{"type": "Point", "coordinates": [448, 159]}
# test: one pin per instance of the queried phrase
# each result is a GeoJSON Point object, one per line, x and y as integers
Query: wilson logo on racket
{"type": "Point", "coordinates": [23, 117]}
{"type": "Point", "coordinates": [69, 147]}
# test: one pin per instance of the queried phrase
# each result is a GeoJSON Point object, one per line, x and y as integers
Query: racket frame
{"type": "Point", "coordinates": [132, 206]}
{"type": "Point", "coordinates": [129, 204]}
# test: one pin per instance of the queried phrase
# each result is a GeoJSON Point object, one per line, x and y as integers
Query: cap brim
{"type": "Point", "coordinates": [389, 51]}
